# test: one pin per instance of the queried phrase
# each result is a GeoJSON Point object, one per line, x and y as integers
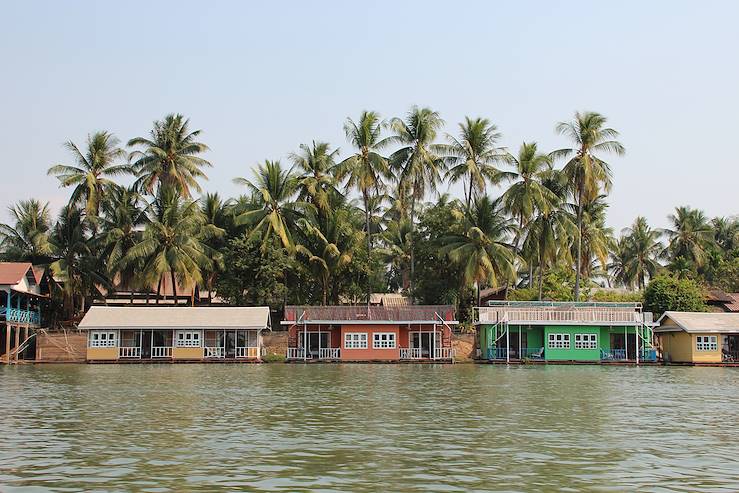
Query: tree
{"type": "Point", "coordinates": [272, 211]}
{"type": "Point", "coordinates": [588, 174]}
{"type": "Point", "coordinates": [473, 156]}
{"type": "Point", "coordinates": [689, 236]}
{"type": "Point", "coordinates": [366, 169]}
{"type": "Point", "coordinates": [417, 167]}
{"type": "Point", "coordinates": [28, 239]}
{"type": "Point", "coordinates": [666, 293]}
{"type": "Point", "coordinates": [485, 257]}
{"type": "Point", "coordinates": [170, 157]}
{"type": "Point", "coordinates": [91, 175]}
{"type": "Point", "coordinates": [218, 218]}
{"type": "Point", "coordinates": [317, 164]}
{"type": "Point", "coordinates": [642, 250]}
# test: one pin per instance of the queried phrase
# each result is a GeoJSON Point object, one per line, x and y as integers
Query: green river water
{"type": "Point", "coordinates": [358, 427]}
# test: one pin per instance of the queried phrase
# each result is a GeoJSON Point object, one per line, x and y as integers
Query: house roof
{"type": "Point", "coordinates": [389, 299]}
{"type": "Point", "coordinates": [363, 314]}
{"type": "Point", "coordinates": [692, 322]}
{"type": "Point", "coordinates": [180, 317]}
{"type": "Point", "coordinates": [734, 305]}
{"type": "Point", "coordinates": [13, 272]}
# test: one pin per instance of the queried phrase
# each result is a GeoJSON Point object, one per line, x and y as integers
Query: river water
{"type": "Point", "coordinates": [357, 427]}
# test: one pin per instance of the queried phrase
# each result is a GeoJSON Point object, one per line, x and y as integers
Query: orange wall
{"type": "Point", "coordinates": [369, 354]}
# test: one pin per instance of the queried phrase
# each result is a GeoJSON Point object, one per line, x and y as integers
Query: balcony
{"type": "Point", "coordinates": [524, 313]}
{"type": "Point", "coordinates": [325, 354]}
{"type": "Point", "coordinates": [161, 351]}
{"type": "Point", "coordinates": [20, 316]}
{"type": "Point", "coordinates": [440, 353]}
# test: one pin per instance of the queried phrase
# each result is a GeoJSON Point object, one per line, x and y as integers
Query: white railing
{"type": "Point", "coordinates": [328, 353]}
{"type": "Point", "coordinates": [410, 353]}
{"type": "Point", "coordinates": [214, 352]}
{"type": "Point", "coordinates": [295, 353]}
{"type": "Point", "coordinates": [161, 351]}
{"type": "Point", "coordinates": [583, 315]}
{"type": "Point", "coordinates": [129, 352]}
{"type": "Point", "coordinates": [444, 353]}
{"type": "Point", "coordinates": [247, 352]}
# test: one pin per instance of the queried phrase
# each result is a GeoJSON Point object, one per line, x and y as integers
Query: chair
{"type": "Point", "coordinates": [539, 354]}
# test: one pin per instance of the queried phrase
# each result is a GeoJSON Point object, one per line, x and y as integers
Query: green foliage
{"type": "Point", "coordinates": [668, 293]}
{"type": "Point", "coordinates": [611, 296]}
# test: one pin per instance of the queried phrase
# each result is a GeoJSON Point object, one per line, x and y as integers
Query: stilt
{"type": "Point", "coordinates": [17, 341]}
{"type": "Point", "coordinates": [7, 342]}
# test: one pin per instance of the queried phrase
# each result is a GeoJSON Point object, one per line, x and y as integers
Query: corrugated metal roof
{"type": "Point", "coordinates": [701, 321]}
{"type": "Point", "coordinates": [13, 272]}
{"type": "Point", "coordinates": [199, 317]}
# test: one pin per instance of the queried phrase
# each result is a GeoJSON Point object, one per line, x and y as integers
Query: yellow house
{"type": "Point", "coordinates": [149, 333]}
{"type": "Point", "coordinates": [692, 337]}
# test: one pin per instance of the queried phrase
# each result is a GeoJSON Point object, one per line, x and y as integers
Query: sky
{"type": "Point", "coordinates": [260, 78]}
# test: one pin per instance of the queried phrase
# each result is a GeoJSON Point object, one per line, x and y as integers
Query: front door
{"type": "Point", "coordinates": [315, 341]}
{"type": "Point", "coordinates": [230, 344]}
{"type": "Point", "coordinates": [422, 341]}
{"type": "Point", "coordinates": [145, 344]}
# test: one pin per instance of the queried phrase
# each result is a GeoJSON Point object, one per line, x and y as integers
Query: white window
{"type": "Point", "coordinates": [706, 343]}
{"type": "Point", "coordinates": [355, 340]}
{"type": "Point", "coordinates": [99, 338]}
{"type": "Point", "coordinates": [383, 340]}
{"type": "Point", "coordinates": [188, 338]}
{"type": "Point", "coordinates": [586, 341]}
{"type": "Point", "coordinates": [559, 341]}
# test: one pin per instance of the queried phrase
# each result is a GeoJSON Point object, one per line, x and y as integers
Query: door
{"type": "Point", "coordinates": [230, 344]}
{"type": "Point", "coordinates": [316, 340]}
{"type": "Point", "coordinates": [146, 344]}
{"type": "Point", "coordinates": [422, 341]}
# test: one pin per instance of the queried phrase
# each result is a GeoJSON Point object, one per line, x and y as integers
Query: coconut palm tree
{"type": "Point", "coordinates": [473, 157]}
{"type": "Point", "coordinates": [689, 235]}
{"type": "Point", "coordinates": [172, 242]}
{"type": "Point", "coordinates": [726, 233]}
{"type": "Point", "coordinates": [417, 166]}
{"type": "Point", "coordinates": [317, 164]}
{"type": "Point", "coordinates": [597, 238]}
{"type": "Point", "coordinates": [482, 252]}
{"type": "Point", "coordinates": [642, 250]}
{"type": "Point", "coordinates": [28, 239]}
{"type": "Point", "coordinates": [92, 171]}
{"type": "Point", "coordinates": [273, 212]}
{"type": "Point", "coordinates": [587, 172]}
{"type": "Point", "coordinates": [620, 267]}
{"type": "Point", "coordinates": [366, 169]}
{"type": "Point", "coordinates": [218, 218]}
{"type": "Point", "coordinates": [169, 157]}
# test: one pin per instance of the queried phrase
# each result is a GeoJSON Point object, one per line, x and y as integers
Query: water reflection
{"type": "Point", "coordinates": [367, 428]}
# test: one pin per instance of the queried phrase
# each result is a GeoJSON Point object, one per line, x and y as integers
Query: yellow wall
{"type": "Point", "coordinates": [187, 353]}
{"type": "Point", "coordinates": [680, 348]}
{"type": "Point", "coordinates": [102, 353]}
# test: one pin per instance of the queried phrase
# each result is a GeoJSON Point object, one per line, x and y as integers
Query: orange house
{"type": "Point", "coordinates": [370, 333]}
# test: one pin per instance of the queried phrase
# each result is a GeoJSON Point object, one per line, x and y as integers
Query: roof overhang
{"type": "Point", "coordinates": [369, 322]}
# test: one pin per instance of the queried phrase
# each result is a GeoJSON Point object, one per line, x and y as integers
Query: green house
{"type": "Point", "coordinates": [564, 331]}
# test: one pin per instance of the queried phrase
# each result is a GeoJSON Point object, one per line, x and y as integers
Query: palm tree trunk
{"type": "Point", "coordinates": [578, 261]}
{"type": "Point", "coordinates": [174, 287]}
{"type": "Point", "coordinates": [541, 280]}
{"type": "Point", "coordinates": [159, 288]}
{"type": "Point", "coordinates": [369, 245]}
{"type": "Point", "coordinates": [412, 283]}
{"type": "Point", "coordinates": [469, 195]}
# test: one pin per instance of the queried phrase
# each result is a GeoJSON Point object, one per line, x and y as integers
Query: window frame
{"type": "Point", "coordinates": [103, 338]}
{"type": "Point", "coordinates": [390, 342]}
{"type": "Point", "coordinates": [361, 341]}
{"type": "Point", "coordinates": [554, 343]}
{"type": "Point", "coordinates": [195, 341]}
{"type": "Point", "coordinates": [587, 340]}
{"type": "Point", "coordinates": [706, 343]}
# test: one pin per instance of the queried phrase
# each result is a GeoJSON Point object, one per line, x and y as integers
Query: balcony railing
{"type": "Point", "coordinates": [214, 352]}
{"type": "Point", "coordinates": [515, 315]}
{"type": "Point", "coordinates": [328, 353]}
{"type": "Point", "coordinates": [295, 353]}
{"type": "Point", "coordinates": [247, 352]}
{"type": "Point", "coordinates": [426, 313]}
{"type": "Point", "coordinates": [21, 316]}
{"type": "Point", "coordinates": [613, 354]}
{"type": "Point", "coordinates": [410, 353]}
{"type": "Point", "coordinates": [444, 353]}
{"type": "Point", "coordinates": [129, 352]}
{"type": "Point", "coordinates": [161, 352]}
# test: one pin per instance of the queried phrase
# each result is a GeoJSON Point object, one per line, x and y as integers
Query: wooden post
{"type": "Point", "coordinates": [17, 341]}
{"type": "Point", "coordinates": [7, 342]}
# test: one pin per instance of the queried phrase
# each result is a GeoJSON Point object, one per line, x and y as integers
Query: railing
{"type": "Point", "coordinates": [514, 315]}
{"type": "Point", "coordinates": [425, 313]}
{"type": "Point", "coordinates": [647, 355]}
{"type": "Point", "coordinates": [613, 354]}
{"type": "Point", "coordinates": [410, 353]}
{"type": "Point", "coordinates": [444, 353]}
{"type": "Point", "coordinates": [295, 353]}
{"type": "Point", "coordinates": [247, 352]}
{"type": "Point", "coordinates": [497, 353]}
{"type": "Point", "coordinates": [214, 352]}
{"type": "Point", "coordinates": [161, 351]}
{"type": "Point", "coordinates": [22, 316]}
{"type": "Point", "coordinates": [328, 353]}
{"type": "Point", "coordinates": [129, 352]}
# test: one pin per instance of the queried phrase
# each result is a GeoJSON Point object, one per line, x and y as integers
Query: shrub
{"type": "Point", "coordinates": [667, 293]}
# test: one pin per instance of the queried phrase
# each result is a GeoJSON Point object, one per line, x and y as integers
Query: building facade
{"type": "Point", "coordinates": [699, 338]}
{"type": "Point", "coordinates": [21, 298]}
{"type": "Point", "coordinates": [174, 333]}
{"type": "Point", "coordinates": [564, 332]}
{"type": "Point", "coordinates": [369, 333]}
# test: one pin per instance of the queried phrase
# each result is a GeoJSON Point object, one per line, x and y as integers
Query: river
{"type": "Point", "coordinates": [361, 427]}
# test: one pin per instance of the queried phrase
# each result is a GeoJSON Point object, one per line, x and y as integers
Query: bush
{"type": "Point", "coordinates": [630, 297]}
{"type": "Point", "coordinates": [667, 293]}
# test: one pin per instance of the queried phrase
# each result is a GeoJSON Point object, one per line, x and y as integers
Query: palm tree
{"type": "Point", "coordinates": [219, 220]}
{"type": "Point", "coordinates": [170, 157]}
{"type": "Point", "coordinates": [726, 233]}
{"type": "Point", "coordinates": [328, 242]}
{"type": "Point", "coordinates": [273, 211]}
{"type": "Point", "coordinates": [417, 167]}
{"type": "Point", "coordinates": [92, 170]}
{"type": "Point", "coordinates": [122, 222]}
{"type": "Point", "coordinates": [689, 235]}
{"type": "Point", "coordinates": [620, 266]}
{"type": "Point", "coordinates": [473, 156]}
{"type": "Point", "coordinates": [317, 164]}
{"type": "Point", "coordinates": [397, 249]}
{"type": "Point", "coordinates": [28, 239]}
{"type": "Point", "coordinates": [172, 242]}
{"type": "Point", "coordinates": [588, 174]}
{"type": "Point", "coordinates": [482, 252]}
{"type": "Point", "coordinates": [597, 239]}
{"type": "Point", "coordinates": [366, 169]}
{"type": "Point", "coordinates": [643, 248]}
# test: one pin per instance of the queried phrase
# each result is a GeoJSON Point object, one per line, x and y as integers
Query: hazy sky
{"type": "Point", "coordinates": [260, 78]}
